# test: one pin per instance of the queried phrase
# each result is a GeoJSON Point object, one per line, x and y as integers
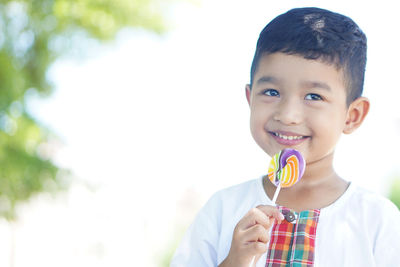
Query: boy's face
{"type": "Point", "coordinates": [297, 103]}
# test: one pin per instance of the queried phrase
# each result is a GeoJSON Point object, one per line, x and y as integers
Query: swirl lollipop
{"type": "Point", "coordinates": [285, 169]}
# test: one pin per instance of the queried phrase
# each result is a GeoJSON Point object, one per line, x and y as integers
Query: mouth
{"type": "Point", "coordinates": [289, 139]}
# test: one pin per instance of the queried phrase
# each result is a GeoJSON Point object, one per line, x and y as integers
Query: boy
{"type": "Point", "coordinates": [305, 90]}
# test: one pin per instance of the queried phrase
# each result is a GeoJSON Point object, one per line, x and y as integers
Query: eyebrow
{"type": "Point", "coordinates": [267, 79]}
{"type": "Point", "coordinates": [306, 84]}
{"type": "Point", "coordinates": [315, 84]}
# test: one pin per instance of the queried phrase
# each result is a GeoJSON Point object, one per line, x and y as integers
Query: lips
{"type": "Point", "coordinates": [288, 138]}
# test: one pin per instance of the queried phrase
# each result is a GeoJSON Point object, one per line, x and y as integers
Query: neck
{"type": "Point", "coordinates": [319, 187]}
{"type": "Point", "coordinates": [319, 172]}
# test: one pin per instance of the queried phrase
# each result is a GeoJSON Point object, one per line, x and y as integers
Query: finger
{"type": "Point", "coordinates": [257, 248]}
{"type": "Point", "coordinates": [256, 233]}
{"type": "Point", "coordinates": [254, 216]}
{"type": "Point", "coordinates": [271, 211]}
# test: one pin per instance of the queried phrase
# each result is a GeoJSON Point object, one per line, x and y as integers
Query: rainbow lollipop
{"type": "Point", "coordinates": [285, 169]}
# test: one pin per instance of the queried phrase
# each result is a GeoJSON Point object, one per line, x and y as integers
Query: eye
{"type": "Point", "coordinates": [270, 92]}
{"type": "Point", "coordinates": [313, 97]}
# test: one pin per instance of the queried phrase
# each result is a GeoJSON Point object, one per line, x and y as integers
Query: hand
{"type": "Point", "coordinates": [251, 236]}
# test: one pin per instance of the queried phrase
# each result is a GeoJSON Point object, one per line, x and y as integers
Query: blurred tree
{"type": "Point", "coordinates": [33, 33]}
{"type": "Point", "coordinates": [394, 193]}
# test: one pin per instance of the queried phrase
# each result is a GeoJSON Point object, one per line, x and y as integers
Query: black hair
{"type": "Point", "coordinates": [316, 33]}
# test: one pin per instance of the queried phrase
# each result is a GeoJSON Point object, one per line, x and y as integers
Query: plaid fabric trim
{"type": "Point", "coordinates": [293, 244]}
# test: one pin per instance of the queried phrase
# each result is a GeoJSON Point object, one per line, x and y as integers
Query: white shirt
{"type": "Point", "coordinates": [360, 229]}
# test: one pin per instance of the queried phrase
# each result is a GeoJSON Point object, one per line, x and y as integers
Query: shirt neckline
{"type": "Point", "coordinates": [267, 201]}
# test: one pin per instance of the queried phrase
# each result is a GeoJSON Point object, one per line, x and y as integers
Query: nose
{"type": "Point", "coordinates": [288, 112]}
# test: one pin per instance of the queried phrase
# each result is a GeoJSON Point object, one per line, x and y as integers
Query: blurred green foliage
{"type": "Point", "coordinates": [394, 193]}
{"type": "Point", "coordinates": [164, 257]}
{"type": "Point", "coordinates": [33, 33]}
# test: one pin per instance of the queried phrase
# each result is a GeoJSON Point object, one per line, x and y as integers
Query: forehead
{"type": "Point", "coordinates": [294, 70]}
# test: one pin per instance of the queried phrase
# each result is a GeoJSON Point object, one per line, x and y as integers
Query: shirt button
{"type": "Point", "coordinates": [290, 216]}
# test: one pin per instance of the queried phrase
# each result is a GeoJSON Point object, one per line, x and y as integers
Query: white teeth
{"type": "Point", "coordinates": [288, 137]}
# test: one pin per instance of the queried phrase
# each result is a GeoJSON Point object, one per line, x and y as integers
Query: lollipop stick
{"type": "Point", "coordinates": [252, 262]}
{"type": "Point", "coordinates": [276, 193]}
{"type": "Point", "coordinates": [273, 201]}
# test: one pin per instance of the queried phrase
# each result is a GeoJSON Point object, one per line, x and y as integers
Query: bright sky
{"type": "Point", "coordinates": [152, 125]}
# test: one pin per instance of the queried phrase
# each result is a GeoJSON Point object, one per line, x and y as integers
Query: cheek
{"type": "Point", "coordinates": [329, 126]}
{"type": "Point", "coordinates": [255, 117]}
{"type": "Point", "coordinates": [256, 125]}
{"type": "Point", "coordinates": [259, 118]}
{"type": "Point", "coordinates": [258, 121]}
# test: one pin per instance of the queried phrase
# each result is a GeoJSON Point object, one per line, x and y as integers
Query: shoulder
{"type": "Point", "coordinates": [228, 205]}
{"type": "Point", "coordinates": [234, 196]}
{"type": "Point", "coordinates": [244, 195]}
{"type": "Point", "coordinates": [238, 189]}
{"type": "Point", "coordinates": [372, 201]}
{"type": "Point", "coordinates": [375, 211]}
{"type": "Point", "coordinates": [368, 227]}
{"type": "Point", "coordinates": [383, 222]}
{"type": "Point", "coordinates": [365, 211]}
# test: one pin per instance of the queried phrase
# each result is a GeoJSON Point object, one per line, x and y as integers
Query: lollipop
{"type": "Point", "coordinates": [285, 169]}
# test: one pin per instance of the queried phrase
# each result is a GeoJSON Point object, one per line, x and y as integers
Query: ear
{"type": "Point", "coordinates": [248, 93]}
{"type": "Point", "coordinates": [356, 114]}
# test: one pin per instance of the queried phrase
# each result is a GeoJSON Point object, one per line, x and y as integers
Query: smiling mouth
{"type": "Point", "coordinates": [288, 137]}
